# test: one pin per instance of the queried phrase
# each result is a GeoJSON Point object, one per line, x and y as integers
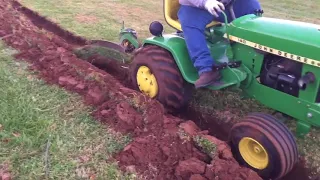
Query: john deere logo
{"type": "Point", "coordinates": [294, 57]}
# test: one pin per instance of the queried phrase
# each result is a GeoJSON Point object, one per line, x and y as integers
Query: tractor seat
{"type": "Point", "coordinates": [171, 8]}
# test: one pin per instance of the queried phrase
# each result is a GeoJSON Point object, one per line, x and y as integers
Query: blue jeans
{"type": "Point", "coordinates": [193, 22]}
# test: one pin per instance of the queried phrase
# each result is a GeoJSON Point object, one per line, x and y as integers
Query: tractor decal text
{"type": "Point", "coordinates": [294, 57]}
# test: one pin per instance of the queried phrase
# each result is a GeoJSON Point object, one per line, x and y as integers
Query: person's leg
{"type": "Point", "coordinates": [245, 7]}
{"type": "Point", "coordinates": [241, 8]}
{"type": "Point", "coordinates": [193, 21]}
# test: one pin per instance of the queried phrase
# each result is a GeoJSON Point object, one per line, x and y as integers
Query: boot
{"type": "Point", "coordinates": [207, 78]}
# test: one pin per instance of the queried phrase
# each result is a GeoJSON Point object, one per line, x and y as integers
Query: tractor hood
{"type": "Point", "coordinates": [299, 40]}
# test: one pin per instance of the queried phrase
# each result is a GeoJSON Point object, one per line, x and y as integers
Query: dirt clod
{"type": "Point", "coordinates": [69, 81]}
{"type": "Point", "coordinates": [6, 176]}
{"type": "Point", "coordinates": [229, 170]}
{"type": "Point", "coordinates": [190, 128]}
{"type": "Point", "coordinates": [189, 167]}
{"type": "Point", "coordinates": [197, 177]}
{"type": "Point", "coordinates": [95, 96]}
{"type": "Point", "coordinates": [80, 87]}
{"type": "Point", "coordinates": [131, 169]}
{"type": "Point", "coordinates": [128, 116]}
{"type": "Point", "coordinates": [4, 172]}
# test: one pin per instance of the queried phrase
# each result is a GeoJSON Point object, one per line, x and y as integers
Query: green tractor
{"type": "Point", "coordinates": [273, 61]}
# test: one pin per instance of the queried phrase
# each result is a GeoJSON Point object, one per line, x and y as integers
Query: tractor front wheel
{"type": "Point", "coordinates": [265, 145]}
{"type": "Point", "coordinates": [153, 72]}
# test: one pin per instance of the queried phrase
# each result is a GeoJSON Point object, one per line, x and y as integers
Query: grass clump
{"type": "Point", "coordinates": [206, 146]}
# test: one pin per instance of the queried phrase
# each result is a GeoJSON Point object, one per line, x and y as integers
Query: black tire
{"type": "Point", "coordinates": [173, 91]}
{"type": "Point", "coordinates": [275, 138]}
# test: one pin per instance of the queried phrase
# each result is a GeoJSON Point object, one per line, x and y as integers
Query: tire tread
{"type": "Point", "coordinates": [172, 86]}
{"type": "Point", "coordinates": [278, 134]}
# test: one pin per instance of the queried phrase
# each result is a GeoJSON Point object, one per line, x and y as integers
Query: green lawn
{"type": "Point", "coordinates": [103, 19]}
{"type": "Point", "coordinates": [47, 132]}
{"type": "Point", "coordinates": [66, 126]}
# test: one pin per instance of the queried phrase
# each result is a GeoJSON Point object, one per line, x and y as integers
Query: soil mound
{"type": "Point", "coordinates": [164, 147]}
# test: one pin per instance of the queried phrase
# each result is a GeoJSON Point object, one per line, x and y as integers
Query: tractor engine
{"type": "Point", "coordinates": [281, 74]}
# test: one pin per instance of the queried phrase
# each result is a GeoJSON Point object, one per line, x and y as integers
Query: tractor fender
{"type": "Point", "coordinates": [177, 47]}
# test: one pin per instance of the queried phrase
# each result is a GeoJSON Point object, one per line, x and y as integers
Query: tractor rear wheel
{"type": "Point", "coordinates": [153, 72]}
{"type": "Point", "coordinates": [265, 145]}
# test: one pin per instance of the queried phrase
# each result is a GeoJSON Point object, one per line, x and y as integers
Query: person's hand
{"type": "Point", "coordinates": [214, 7]}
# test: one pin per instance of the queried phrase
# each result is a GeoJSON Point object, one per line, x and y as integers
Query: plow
{"type": "Point", "coordinates": [273, 61]}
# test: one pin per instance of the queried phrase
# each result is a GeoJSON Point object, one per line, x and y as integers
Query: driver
{"type": "Point", "coordinates": [194, 15]}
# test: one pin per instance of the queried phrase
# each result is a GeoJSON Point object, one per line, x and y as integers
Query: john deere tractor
{"type": "Point", "coordinates": [273, 61]}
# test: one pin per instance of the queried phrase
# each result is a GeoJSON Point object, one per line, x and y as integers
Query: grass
{"type": "Point", "coordinates": [207, 146]}
{"type": "Point", "coordinates": [46, 132]}
{"type": "Point", "coordinates": [101, 19]}
{"type": "Point", "coordinates": [306, 11]}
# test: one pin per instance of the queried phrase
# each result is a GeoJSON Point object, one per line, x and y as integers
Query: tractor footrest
{"type": "Point", "coordinates": [233, 64]}
{"type": "Point", "coordinates": [230, 77]}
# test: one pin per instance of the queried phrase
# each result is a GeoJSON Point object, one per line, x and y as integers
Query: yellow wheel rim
{"type": "Point", "coordinates": [253, 153]}
{"type": "Point", "coordinates": [147, 82]}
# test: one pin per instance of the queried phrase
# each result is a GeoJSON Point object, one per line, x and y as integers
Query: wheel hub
{"type": "Point", "coordinates": [257, 149]}
{"type": "Point", "coordinates": [147, 82]}
{"type": "Point", "coordinates": [253, 153]}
